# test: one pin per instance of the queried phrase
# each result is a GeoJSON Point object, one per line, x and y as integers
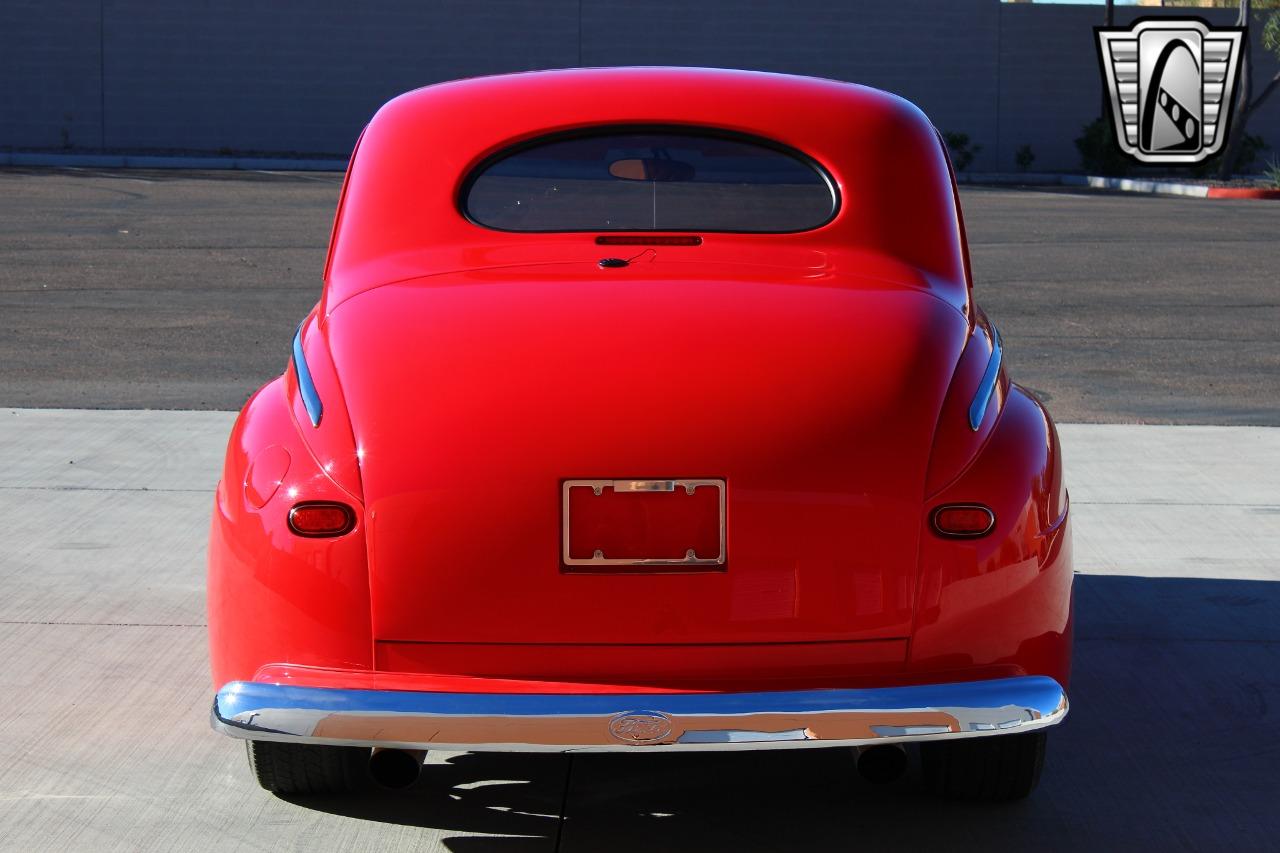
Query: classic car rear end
{"type": "Point", "coordinates": [643, 409]}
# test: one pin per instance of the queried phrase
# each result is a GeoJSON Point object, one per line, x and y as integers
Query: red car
{"type": "Point", "coordinates": [642, 410]}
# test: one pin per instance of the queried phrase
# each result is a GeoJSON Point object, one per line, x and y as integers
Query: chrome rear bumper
{"type": "Point", "coordinates": [649, 721]}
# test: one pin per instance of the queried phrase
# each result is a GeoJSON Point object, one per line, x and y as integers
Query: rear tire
{"type": "Point", "coordinates": [304, 768]}
{"type": "Point", "coordinates": [991, 769]}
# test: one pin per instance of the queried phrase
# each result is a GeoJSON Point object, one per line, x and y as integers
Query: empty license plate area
{"type": "Point", "coordinates": [649, 523]}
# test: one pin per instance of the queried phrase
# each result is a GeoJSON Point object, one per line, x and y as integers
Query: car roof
{"type": "Point", "coordinates": [399, 217]}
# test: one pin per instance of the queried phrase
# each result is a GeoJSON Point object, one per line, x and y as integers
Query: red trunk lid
{"type": "Point", "coordinates": [475, 396]}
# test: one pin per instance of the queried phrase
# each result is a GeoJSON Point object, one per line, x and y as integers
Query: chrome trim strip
{"type": "Point", "coordinates": [987, 386]}
{"type": "Point", "coordinates": [600, 559]}
{"type": "Point", "coordinates": [306, 387]}
{"type": "Point", "coordinates": [505, 722]}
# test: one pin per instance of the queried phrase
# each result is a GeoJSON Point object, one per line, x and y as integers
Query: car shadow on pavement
{"type": "Point", "coordinates": [517, 796]}
{"type": "Point", "coordinates": [1169, 745]}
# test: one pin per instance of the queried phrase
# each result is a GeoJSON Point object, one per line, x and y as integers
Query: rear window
{"type": "Point", "coordinates": [650, 180]}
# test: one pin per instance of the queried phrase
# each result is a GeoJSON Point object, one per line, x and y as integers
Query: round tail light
{"type": "Point", "coordinates": [963, 520]}
{"type": "Point", "coordinates": [321, 519]}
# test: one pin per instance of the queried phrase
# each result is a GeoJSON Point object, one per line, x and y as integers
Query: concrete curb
{"type": "Point", "coordinates": [148, 161]}
{"type": "Point", "coordinates": [1128, 185]}
{"type": "Point", "coordinates": [1242, 192]}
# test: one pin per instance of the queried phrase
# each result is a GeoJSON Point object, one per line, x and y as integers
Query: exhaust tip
{"type": "Point", "coordinates": [396, 768]}
{"type": "Point", "coordinates": [883, 763]}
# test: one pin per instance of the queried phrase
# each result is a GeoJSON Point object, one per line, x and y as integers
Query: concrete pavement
{"type": "Point", "coordinates": [104, 742]}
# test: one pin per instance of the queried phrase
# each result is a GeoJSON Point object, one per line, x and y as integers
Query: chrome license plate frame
{"type": "Point", "coordinates": [657, 484]}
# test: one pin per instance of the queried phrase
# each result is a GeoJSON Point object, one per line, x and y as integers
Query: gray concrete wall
{"type": "Point", "coordinates": [303, 77]}
{"type": "Point", "coordinates": [50, 74]}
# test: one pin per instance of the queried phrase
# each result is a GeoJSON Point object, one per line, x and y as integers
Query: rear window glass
{"type": "Point", "coordinates": [650, 181]}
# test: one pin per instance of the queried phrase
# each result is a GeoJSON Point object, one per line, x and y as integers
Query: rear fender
{"type": "Point", "coordinates": [958, 437]}
{"type": "Point", "coordinates": [1003, 599]}
{"type": "Point", "coordinates": [274, 596]}
{"type": "Point", "coordinates": [325, 432]}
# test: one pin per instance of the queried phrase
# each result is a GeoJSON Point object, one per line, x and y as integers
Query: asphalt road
{"type": "Point", "coordinates": [104, 685]}
{"type": "Point", "coordinates": [123, 289]}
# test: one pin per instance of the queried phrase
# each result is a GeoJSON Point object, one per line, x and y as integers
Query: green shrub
{"type": "Point", "coordinates": [1272, 172]}
{"type": "Point", "coordinates": [962, 153]}
{"type": "Point", "coordinates": [1100, 154]}
{"type": "Point", "coordinates": [1250, 150]}
{"type": "Point", "coordinates": [1024, 157]}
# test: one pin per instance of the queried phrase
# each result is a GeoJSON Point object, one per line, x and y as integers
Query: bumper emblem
{"type": "Point", "coordinates": [640, 727]}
